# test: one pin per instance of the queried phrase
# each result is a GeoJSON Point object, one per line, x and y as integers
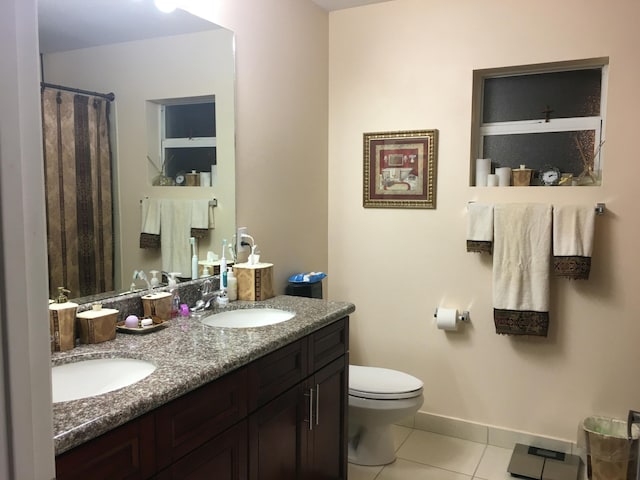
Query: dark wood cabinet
{"type": "Point", "coordinates": [301, 434]}
{"type": "Point", "coordinates": [222, 458]}
{"type": "Point", "coordinates": [327, 445]}
{"type": "Point", "coordinates": [282, 417]}
{"type": "Point", "coordinates": [125, 453]}
{"type": "Point", "coordinates": [189, 421]}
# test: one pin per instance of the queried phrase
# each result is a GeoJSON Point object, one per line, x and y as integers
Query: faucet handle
{"type": "Point", "coordinates": [207, 287]}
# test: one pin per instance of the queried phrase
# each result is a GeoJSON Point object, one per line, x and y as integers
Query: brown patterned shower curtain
{"type": "Point", "coordinates": [77, 162]}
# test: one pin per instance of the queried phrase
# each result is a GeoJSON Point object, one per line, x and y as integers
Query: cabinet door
{"type": "Point", "coordinates": [327, 454]}
{"type": "Point", "coordinates": [278, 438]}
{"type": "Point", "coordinates": [125, 453]}
{"type": "Point", "coordinates": [223, 458]}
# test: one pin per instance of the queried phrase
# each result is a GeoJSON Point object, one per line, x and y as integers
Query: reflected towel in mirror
{"type": "Point", "coordinates": [150, 229]}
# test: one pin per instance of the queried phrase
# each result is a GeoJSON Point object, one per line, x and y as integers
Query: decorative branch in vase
{"type": "Point", "coordinates": [588, 162]}
{"type": "Point", "coordinates": [160, 180]}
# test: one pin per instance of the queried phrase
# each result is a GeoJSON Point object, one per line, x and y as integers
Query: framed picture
{"type": "Point", "coordinates": [400, 169]}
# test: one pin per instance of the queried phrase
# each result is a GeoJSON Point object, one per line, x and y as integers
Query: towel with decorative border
{"type": "Point", "coordinates": [573, 228]}
{"type": "Point", "coordinates": [150, 229]}
{"type": "Point", "coordinates": [480, 228]}
{"type": "Point", "coordinates": [521, 257]}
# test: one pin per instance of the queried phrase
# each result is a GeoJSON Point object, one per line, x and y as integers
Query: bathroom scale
{"type": "Point", "coordinates": [542, 464]}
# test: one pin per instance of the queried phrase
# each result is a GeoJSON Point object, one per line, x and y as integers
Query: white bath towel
{"type": "Point", "coordinates": [573, 228]}
{"type": "Point", "coordinates": [521, 257]}
{"type": "Point", "coordinates": [176, 218]}
{"type": "Point", "coordinates": [202, 218]}
{"type": "Point", "coordinates": [150, 223]}
{"type": "Point", "coordinates": [480, 227]}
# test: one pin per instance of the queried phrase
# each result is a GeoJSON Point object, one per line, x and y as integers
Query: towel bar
{"type": "Point", "coordinates": [601, 208]}
{"type": "Point", "coordinates": [212, 203]}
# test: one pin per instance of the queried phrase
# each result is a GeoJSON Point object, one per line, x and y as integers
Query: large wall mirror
{"type": "Point", "coordinates": [147, 59]}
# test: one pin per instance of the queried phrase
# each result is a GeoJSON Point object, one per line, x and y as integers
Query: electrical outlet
{"type": "Point", "coordinates": [240, 248]}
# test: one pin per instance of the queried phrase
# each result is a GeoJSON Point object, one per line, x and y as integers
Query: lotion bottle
{"type": "Point", "coordinates": [232, 285]}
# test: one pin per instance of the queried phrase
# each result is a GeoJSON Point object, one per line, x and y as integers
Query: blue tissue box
{"type": "Point", "coordinates": [312, 277]}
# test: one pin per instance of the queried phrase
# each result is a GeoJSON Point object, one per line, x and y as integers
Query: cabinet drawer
{"type": "Point", "coordinates": [191, 420]}
{"type": "Point", "coordinates": [222, 458]}
{"type": "Point", "coordinates": [126, 452]}
{"type": "Point", "coordinates": [276, 372]}
{"type": "Point", "coordinates": [328, 343]}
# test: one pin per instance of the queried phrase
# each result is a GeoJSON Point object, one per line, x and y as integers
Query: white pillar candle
{"type": "Point", "coordinates": [483, 168]}
{"type": "Point", "coordinates": [492, 180]}
{"type": "Point", "coordinates": [504, 176]}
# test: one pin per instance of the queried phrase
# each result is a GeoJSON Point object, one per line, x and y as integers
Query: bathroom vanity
{"type": "Point", "coordinates": [224, 403]}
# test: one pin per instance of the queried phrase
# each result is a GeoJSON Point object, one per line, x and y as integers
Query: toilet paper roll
{"type": "Point", "coordinates": [483, 168]}
{"type": "Point", "coordinates": [447, 319]}
{"type": "Point", "coordinates": [492, 180]}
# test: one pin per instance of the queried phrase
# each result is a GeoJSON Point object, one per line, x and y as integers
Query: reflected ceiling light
{"type": "Point", "coordinates": [166, 6]}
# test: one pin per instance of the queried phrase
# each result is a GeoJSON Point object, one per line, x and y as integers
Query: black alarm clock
{"type": "Point", "coordinates": [181, 178]}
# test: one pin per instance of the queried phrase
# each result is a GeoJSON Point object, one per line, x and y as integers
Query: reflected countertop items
{"type": "Point", "coordinates": [187, 354]}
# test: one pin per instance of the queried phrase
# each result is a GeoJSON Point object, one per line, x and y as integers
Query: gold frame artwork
{"type": "Point", "coordinates": [400, 169]}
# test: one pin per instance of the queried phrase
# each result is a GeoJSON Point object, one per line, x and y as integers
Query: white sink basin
{"type": "Point", "coordinates": [249, 317]}
{"type": "Point", "coordinates": [88, 378]}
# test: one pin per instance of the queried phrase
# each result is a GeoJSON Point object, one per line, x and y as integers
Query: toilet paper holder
{"type": "Point", "coordinates": [462, 317]}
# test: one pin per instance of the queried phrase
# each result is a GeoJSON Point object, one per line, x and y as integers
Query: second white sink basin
{"type": "Point", "coordinates": [87, 378]}
{"type": "Point", "coordinates": [248, 317]}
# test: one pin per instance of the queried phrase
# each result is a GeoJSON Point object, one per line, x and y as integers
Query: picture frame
{"type": "Point", "coordinates": [400, 169]}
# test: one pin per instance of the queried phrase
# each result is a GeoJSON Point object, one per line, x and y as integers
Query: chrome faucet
{"type": "Point", "coordinates": [207, 295]}
{"type": "Point", "coordinates": [139, 274]}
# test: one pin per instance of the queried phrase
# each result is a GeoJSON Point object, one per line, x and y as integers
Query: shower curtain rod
{"type": "Point", "coordinates": [109, 96]}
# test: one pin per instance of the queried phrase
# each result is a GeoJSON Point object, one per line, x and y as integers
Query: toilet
{"type": "Point", "coordinates": [378, 397]}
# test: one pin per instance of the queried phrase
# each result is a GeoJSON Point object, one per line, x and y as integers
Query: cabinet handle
{"type": "Point", "coordinates": [317, 404]}
{"type": "Point", "coordinates": [310, 395]}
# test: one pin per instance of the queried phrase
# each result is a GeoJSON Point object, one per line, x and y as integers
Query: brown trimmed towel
{"type": "Point", "coordinates": [521, 256]}
{"type": "Point", "coordinates": [201, 218]}
{"type": "Point", "coordinates": [150, 228]}
{"type": "Point", "coordinates": [480, 228]}
{"type": "Point", "coordinates": [573, 228]}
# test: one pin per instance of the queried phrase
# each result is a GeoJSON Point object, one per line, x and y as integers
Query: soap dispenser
{"type": "Point", "coordinates": [62, 322]}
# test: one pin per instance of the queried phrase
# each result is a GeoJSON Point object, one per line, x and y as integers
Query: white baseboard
{"type": "Point", "coordinates": [487, 434]}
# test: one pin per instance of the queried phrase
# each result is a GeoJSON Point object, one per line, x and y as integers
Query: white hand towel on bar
{"type": "Point", "coordinates": [521, 257]}
{"type": "Point", "coordinates": [480, 227]}
{"type": "Point", "coordinates": [573, 228]}
{"type": "Point", "coordinates": [150, 227]}
{"type": "Point", "coordinates": [201, 218]}
{"type": "Point", "coordinates": [176, 230]}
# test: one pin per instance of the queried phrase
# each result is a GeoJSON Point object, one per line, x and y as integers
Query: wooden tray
{"type": "Point", "coordinates": [140, 330]}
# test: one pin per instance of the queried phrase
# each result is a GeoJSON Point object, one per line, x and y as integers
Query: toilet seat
{"type": "Point", "coordinates": [382, 383]}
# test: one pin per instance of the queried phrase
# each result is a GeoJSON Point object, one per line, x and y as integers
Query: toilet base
{"type": "Point", "coordinates": [372, 446]}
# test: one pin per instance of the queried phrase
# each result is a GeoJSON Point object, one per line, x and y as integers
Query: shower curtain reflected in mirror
{"type": "Point", "coordinates": [78, 184]}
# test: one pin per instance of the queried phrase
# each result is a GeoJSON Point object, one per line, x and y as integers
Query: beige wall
{"type": "Point", "coordinates": [282, 109]}
{"type": "Point", "coordinates": [408, 64]}
{"type": "Point", "coordinates": [179, 66]}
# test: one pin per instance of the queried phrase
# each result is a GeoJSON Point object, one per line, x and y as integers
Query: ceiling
{"type": "Point", "coordinates": [72, 24]}
{"type": "Point", "coordinates": [340, 4]}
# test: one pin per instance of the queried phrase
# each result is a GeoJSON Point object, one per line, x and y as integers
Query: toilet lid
{"type": "Point", "coordinates": [382, 383]}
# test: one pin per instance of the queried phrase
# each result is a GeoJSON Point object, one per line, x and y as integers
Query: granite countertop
{"type": "Point", "coordinates": [187, 354]}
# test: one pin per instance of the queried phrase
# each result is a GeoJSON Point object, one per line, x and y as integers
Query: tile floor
{"type": "Point", "coordinates": [424, 455]}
